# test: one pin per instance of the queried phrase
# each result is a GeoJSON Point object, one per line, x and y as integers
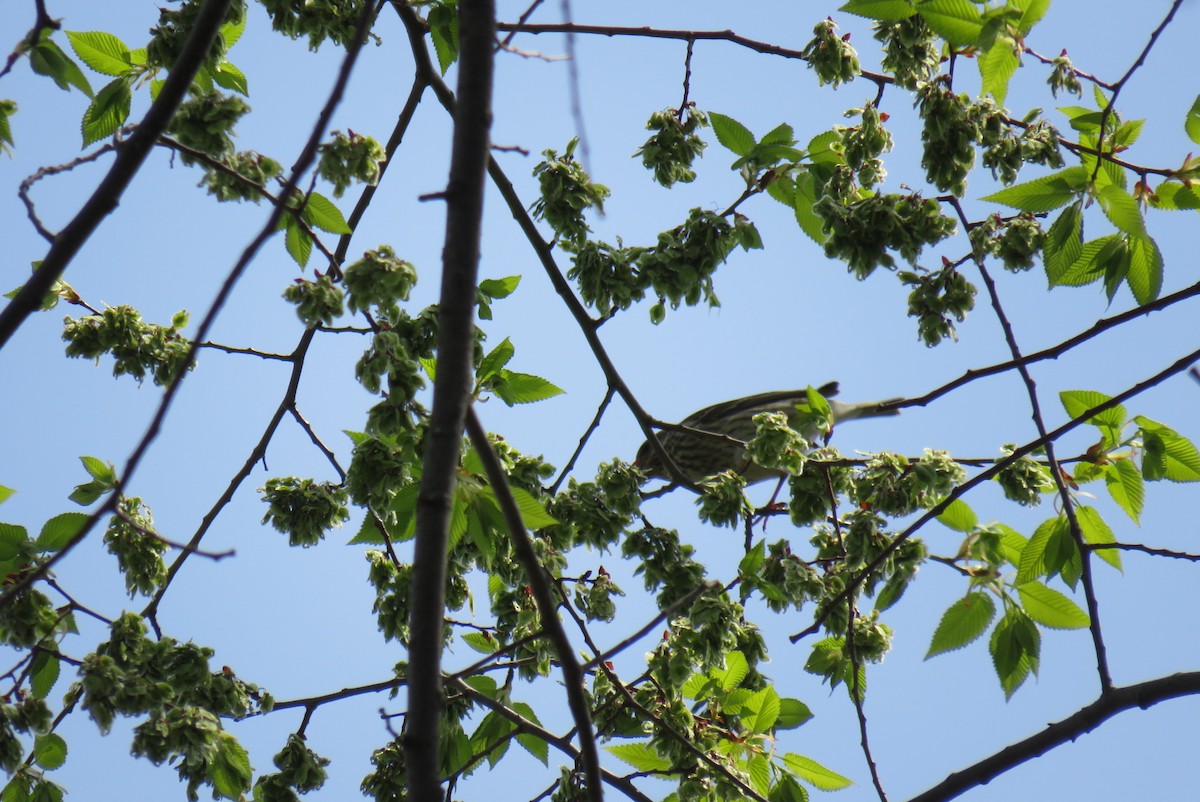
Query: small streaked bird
{"type": "Point", "coordinates": [699, 456]}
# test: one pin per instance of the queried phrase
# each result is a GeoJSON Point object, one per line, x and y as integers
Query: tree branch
{"type": "Point", "coordinates": [451, 394]}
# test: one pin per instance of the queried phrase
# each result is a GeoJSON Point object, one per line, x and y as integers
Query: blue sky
{"type": "Point", "coordinates": [299, 622]}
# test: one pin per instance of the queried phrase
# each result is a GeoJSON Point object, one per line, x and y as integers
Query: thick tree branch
{"type": "Point", "coordinates": [451, 394]}
{"type": "Point", "coordinates": [1112, 701]}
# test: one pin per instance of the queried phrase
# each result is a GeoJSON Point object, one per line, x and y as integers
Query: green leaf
{"type": "Point", "coordinates": [230, 770]}
{"type": "Point", "coordinates": [297, 241]}
{"type": "Point", "coordinates": [641, 756]}
{"type": "Point", "coordinates": [996, 68]}
{"type": "Point", "coordinates": [108, 111]}
{"type": "Point", "coordinates": [100, 470]}
{"type": "Point", "coordinates": [499, 287]}
{"type": "Point", "coordinates": [805, 196]}
{"type": "Point", "coordinates": [44, 674]}
{"type": "Point", "coordinates": [6, 138]}
{"type": "Point", "coordinates": [443, 27]}
{"type": "Point", "coordinates": [814, 773]}
{"type": "Point", "coordinates": [959, 516]}
{"type": "Point", "coordinates": [1015, 647]}
{"type": "Point", "coordinates": [1126, 135]}
{"type": "Point", "coordinates": [498, 358]}
{"type": "Point", "coordinates": [1174, 196]}
{"type": "Point", "coordinates": [956, 21]}
{"type": "Point", "coordinates": [533, 512]}
{"type": "Point", "coordinates": [1191, 123]}
{"type": "Point", "coordinates": [1043, 194]}
{"type": "Point", "coordinates": [792, 713]}
{"type": "Point", "coordinates": [103, 52]}
{"type": "Point", "coordinates": [231, 32]}
{"type": "Point", "coordinates": [1034, 558]}
{"type": "Point", "coordinates": [1126, 486]}
{"type": "Point", "coordinates": [531, 743]}
{"type": "Point", "coordinates": [1145, 269]}
{"type": "Point", "coordinates": [231, 78]}
{"type": "Point", "coordinates": [735, 670]}
{"type": "Point", "coordinates": [524, 388]}
{"type": "Point", "coordinates": [1032, 12]}
{"type": "Point", "coordinates": [1064, 242]}
{"type": "Point", "coordinates": [14, 540]}
{"type": "Point", "coordinates": [320, 212]}
{"type": "Point", "coordinates": [5, 493]}
{"type": "Point", "coordinates": [47, 58]}
{"type": "Point", "coordinates": [761, 710]}
{"type": "Point", "coordinates": [1050, 608]}
{"type": "Point", "coordinates": [885, 10]}
{"type": "Point", "coordinates": [962, 623]}
{"type": "Point", "coordinates": [1078, 402]}
{"type": "Point", "coordinates": [480, 642]}
{"type": "Point", "coordinates": [59, 530]}
{"type": "Point", "coordinates": [731, 133]}
{"type": "Point", "coordinates": [1167, 454]}
{"type": "Point", "coordinates": [49, 751]}
{"type": "Point", "coordinates": [1121, 209]}
{"type": "Point", "coordinates": [369, 533]}
{"type": "Point", "coordinates": [1095, 530]}
{"type": "Point", "coordinates": [1012, 543]}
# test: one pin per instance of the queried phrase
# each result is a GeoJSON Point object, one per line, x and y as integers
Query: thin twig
{"type": "Point", "coordinates": [587, 434]}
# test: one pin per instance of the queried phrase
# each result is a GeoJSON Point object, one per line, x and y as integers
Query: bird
{"type": "Point", "coordinates": [698, 456]}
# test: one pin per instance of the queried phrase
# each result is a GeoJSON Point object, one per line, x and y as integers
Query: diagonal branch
{"type": "Point", "coordinates": [130, 156]}
{"type": "Point", "coordinates": [1112, 701]}
{"type": "Point", "coordinates": [539, 584]}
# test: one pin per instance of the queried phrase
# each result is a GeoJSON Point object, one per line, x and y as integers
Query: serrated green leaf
{"type": "Point", "coordinates": [792, 714]}
{"type": "Point", "coordinates": [814, 773]}
{"type": "Point", "coordinates": [1174, 196]}
{"type": "Point", "coordinates": [1094, 260]}
{"type": "Point", "coordinates": [533, 512]}
{"type": "Point", "coordinates": [761, 710]}
{"type": "Point", "coordinates": [103, 52]}
{"type": "Point", "coordinates": [735, 670]}
{"type": "Point", "coordinates": [1012, 543]}
{"type": "Point", "coordinates": [297, 241]}
{"type": "Point", "coordinates": [1064, 242]}
{"type": "Point", "coordinates": [44, 674]}
{"type": "Point", "coordinates": [1015, 647]}
{"type": "Point", "coordinates": [1121, 209]}
{"type": "Point", "coordinates": [1032, 12]}
{"type": "Point", "coordinates": [805, 197]}
{"type": "Point", "coordinates": [47, 58]}
{"type": "Point", "coordinates": [369, 533]}
{"type": "Point", "coordinates": [320, 212]}
{"type": "Point", "coordinates": [231, 32]}
{"type": "Point", "coordinates": [1145, 274]}
{"type": "Point", "coordinates": [496, 359]}
{"type": "Point", "coordinates": [996, 68]}
{"type": "Point", "coordinates": [1078, 402]}
{"type": "Point", "coordinates": [1166, 453]}
{"type": "Point", "coordinates": [443, 28]}
{"type": "Point", "coordinates": [956, 21]}
{"type": "Point", "coordinates": [641, 756]}
{"type": "Point", "coordinates": [1126, 486]}
{"type": "Point", "coordinates": [1032, 564]}
{"type": "Point", "coordinates": [535, 746]}
{"type": "Point", "coordinates": [962, 623]}
{"type": "Point", "coordinates": [1045, 193]}
{"type": "Point", "coordinates": [230, 770]}
{"type": "Point", "coordinates": [731, 133]}
{"type": "Point", "coordinates": [480, 642]}
{"type": "Point", "coordinates": [59, 530]}
{"type": "Point", "coordinates": [108, 111]}
{"type": "Point", "coordinates": [884, 10]}
{"type": "Point", "coordinates": [99, 470]}
{"type": "Point", "coordinates": [524, 388]}
{"type": "Point", "coordinates": [231, 78]}
{"type": "Point", "coordinates": [1126, 134]}
{"type": "Point", "coordinates": [1050, 608]}
{"type": "Point", "coordinates": [49, 751]}
{"type": "Point", "coordinates": [1191, 123]}
{"type": "Point", "coordinates": [959, 516]}
{"type": "Point", "coordinates": [1094, 530]}
{"type": "Point", "coordinates": [499, 287]}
